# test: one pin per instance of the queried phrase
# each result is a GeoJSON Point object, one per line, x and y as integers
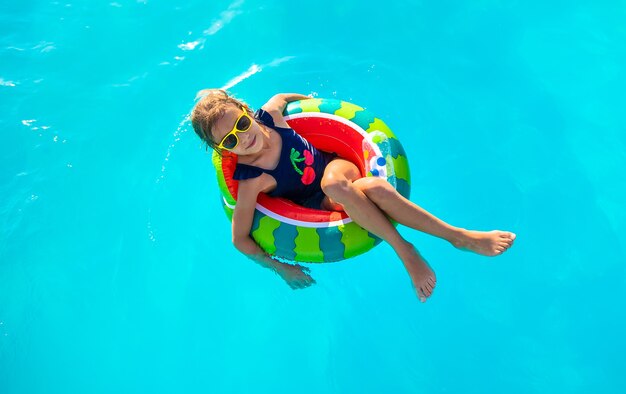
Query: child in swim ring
{"type": "Point", "coordinates": [262, 138]}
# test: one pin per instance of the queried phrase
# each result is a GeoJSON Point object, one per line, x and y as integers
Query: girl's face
{"type": "Point", "coordinates": [250, 141]}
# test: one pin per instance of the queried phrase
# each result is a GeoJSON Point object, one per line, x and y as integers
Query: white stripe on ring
{"type": "Point", "coordinates": [293, 222]}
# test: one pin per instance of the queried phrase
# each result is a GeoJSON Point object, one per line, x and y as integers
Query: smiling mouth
{"type": "Point", "coordinates": [251, 143]}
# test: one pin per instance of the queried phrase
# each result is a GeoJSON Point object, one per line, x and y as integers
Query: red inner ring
{"type": "Point", "coordinates": [325, 134]}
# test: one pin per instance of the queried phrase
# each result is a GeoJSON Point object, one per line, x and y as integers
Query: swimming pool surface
{"type": "Point", "coordinates": [116, 269]}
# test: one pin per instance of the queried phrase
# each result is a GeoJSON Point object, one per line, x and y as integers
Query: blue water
{"type": "Point", "coordinates": [116, 268]}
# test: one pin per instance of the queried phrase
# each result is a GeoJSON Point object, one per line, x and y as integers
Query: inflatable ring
{"type": "Point", "coordinates": [290, 232]}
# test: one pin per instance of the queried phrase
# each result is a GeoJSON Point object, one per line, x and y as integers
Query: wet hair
{"type": "Point", "coordinates": [210, 107]}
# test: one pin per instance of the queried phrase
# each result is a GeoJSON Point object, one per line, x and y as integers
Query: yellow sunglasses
{"type": "Point", "coordinates": [242, 125]}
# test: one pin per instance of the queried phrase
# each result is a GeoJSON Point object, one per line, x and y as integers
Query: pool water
{"type": "Point", "coordinates": [116, 269]}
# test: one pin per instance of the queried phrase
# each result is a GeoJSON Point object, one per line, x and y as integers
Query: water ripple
{"type": "Point", "coordinates": [180, 130]}
{"type": "Point", "coordinates": [224, 18]}
{"type": "Point", "coordinates": [253, 69]}
{"type": "Point", "coordinates": [4, 82]}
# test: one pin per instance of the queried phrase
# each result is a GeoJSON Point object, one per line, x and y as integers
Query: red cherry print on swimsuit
{"type": "Point", "coordinates": [308, 157]}
{"type": "Point", "coordinates": [308, 176]}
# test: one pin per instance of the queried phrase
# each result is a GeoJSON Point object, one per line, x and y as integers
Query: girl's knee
{"type": "Point", "coordinates": [376, 188]}
{"type": "Point", "coordinates": [335, 187]}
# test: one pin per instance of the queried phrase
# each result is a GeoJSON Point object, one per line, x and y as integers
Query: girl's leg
{"type": "Point", "coordinates": [337, 184]}
{"type": "Point", "coordinates": [403, 211]}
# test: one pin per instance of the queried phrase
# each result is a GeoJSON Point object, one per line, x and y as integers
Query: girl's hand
{"type": "Point", "coordinates": [296, 276]}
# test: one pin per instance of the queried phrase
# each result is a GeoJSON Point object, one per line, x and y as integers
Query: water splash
{"type": "Point", "coordinates": [30, 123]}
{"type": "Point", "coordinates": [130, 80]}
{"type": "Point", "coordinates": [279, 61]}
{"type": "Point", "coordinates": [45, 47]}
{"type": "Point", "coordinates": [224, 18]}
{"type": "Point", "coordinates": [253, 69]}
{"type": "Point", "coordinates": [151, 235]}
{"type": "Point", "coordinates": [180, 130]}
{"type": "Point", "coordinates": [190, 46]}
{"type": "Point", "coordinates": [4, 82]}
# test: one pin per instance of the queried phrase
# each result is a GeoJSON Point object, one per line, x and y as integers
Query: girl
{"type": "Point", "coordinates": [263, 143]}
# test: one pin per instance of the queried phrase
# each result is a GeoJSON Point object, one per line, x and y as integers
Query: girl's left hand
{"type": "Point", "coordinates": [296, 276]}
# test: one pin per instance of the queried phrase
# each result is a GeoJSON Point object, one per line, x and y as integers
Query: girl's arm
{"type": "Point", "coordinates": [243, 215]}
{"type": "Point", "coordinates": [276, 105]}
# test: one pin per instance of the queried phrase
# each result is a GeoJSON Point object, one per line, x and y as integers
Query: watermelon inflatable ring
{"type": "Point", "coordinates": [289, 232]}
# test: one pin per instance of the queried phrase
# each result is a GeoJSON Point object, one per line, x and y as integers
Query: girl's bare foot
{"type": "Point", "coordinates": [421, 274]}
{"type": "Point", "coordinates": [487, 243]}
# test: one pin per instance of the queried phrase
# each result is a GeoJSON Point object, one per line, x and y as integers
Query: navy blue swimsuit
{"type": "Point", "coordinates": [299, 170]}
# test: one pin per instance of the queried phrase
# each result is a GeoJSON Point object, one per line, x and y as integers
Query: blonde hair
{"type": "Point", "coordinates": [211, 105]}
